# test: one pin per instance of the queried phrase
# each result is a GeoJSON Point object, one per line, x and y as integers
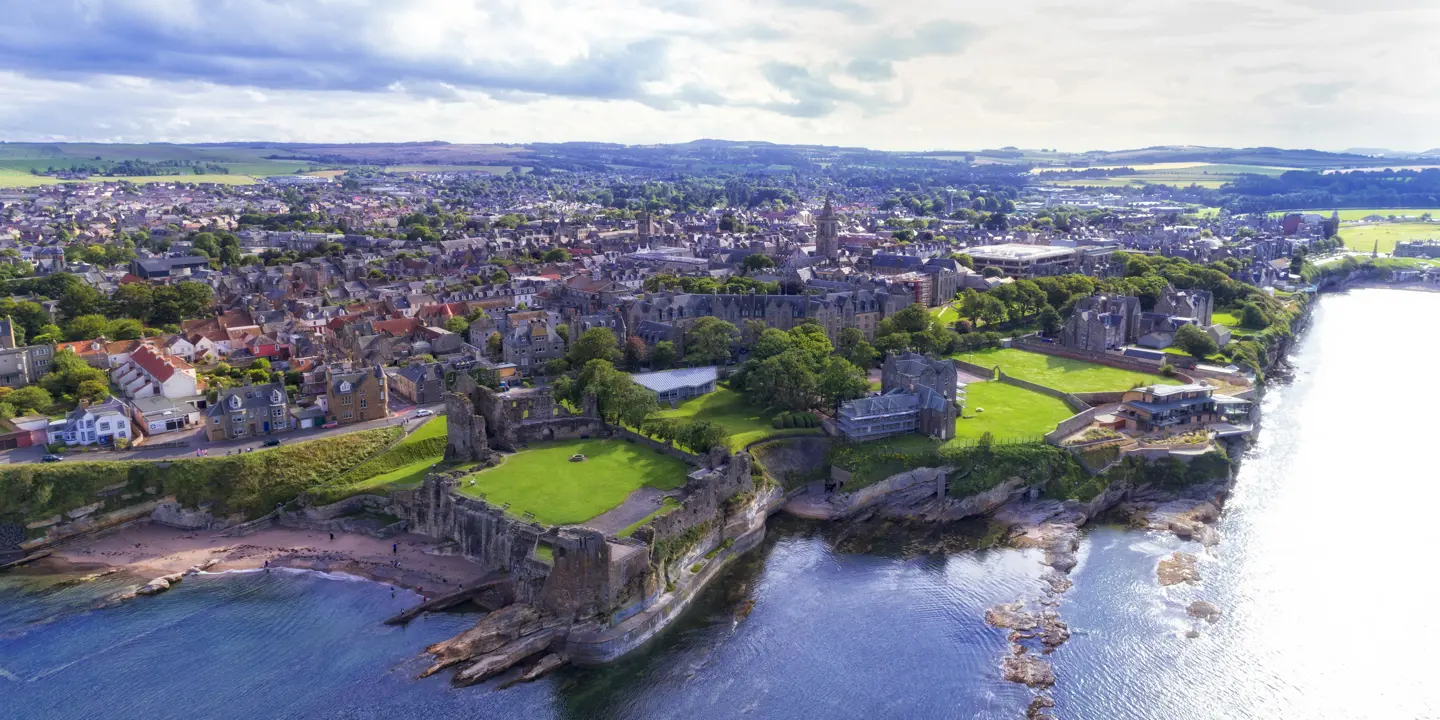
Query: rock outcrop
{"type": "Point", "coordinates": [1203, 610]}
{"type": "Point", "coordinates": [1178, 568]}
{"type": "Point", "coordinates": [160, 584]}
{"type": "Point", "coordinates": [490, 634]}
{"type": "Point", "coordinates": [1026, 669]}
{"type": "Point", "coordinates": [507, 656]}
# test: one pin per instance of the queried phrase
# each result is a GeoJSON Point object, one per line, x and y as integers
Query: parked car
{"type": "Point", "coordinates": [331, 424]}
{"type": "Point", "coordinates": [272, 442]}
{"type": "Point", "coordinates": [424, 412]}
{"type": "Point", "coordinates": [51, 458]}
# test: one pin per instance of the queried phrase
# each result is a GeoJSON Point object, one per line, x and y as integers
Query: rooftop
{"type": "Point", "coordinates": [1016, 251]}
{"type": "Point", "coordinates": [667, 380]}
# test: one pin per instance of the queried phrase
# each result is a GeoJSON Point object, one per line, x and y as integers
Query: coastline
{"type": "Point", "coordinates": [148, 551]}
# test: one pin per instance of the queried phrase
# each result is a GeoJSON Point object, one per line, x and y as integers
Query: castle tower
{"type": "Point", "coordinates": [827, 232]}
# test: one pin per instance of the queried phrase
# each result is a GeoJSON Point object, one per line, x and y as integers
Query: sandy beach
{"type": "Point", "coordinates": [152, 550]}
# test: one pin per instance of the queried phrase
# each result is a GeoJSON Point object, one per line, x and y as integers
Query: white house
{"type": "Point", "coordinates": [151, 372]}
{"type": "Point", "coordinates": [100, 424]}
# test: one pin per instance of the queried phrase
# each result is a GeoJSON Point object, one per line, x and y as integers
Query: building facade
{"type": "Point", "coordinates": [248, 411]}
{"type": "Point", "coordinates": [358, 396]}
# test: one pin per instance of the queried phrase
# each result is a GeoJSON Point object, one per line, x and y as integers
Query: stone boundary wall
{"type": "Point", "coordinates": [653, 444]}
{"type": "Point", "coordinates": [1070, 426]}
{"type": "Point", "coordinates": [973, 369]}
{"type": "Point", "coordinates": [1074, 403]}
{"type": "Point", "coordinates": [353, 504]}
{"type": "Point", "coordinates": [1101, 398]}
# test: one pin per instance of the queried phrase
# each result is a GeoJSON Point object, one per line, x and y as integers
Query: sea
{"type": "Point", "coordinates": [1322, 576]}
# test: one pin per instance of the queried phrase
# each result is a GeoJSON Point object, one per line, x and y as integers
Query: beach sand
{"type": "Point", "coordinates": [148, 551]}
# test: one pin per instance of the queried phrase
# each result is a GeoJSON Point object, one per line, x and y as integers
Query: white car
{"type": "Point", "coordinates": [424, 412]}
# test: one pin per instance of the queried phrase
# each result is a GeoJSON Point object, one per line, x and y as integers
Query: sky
{"type": "Point", "coordinates": [888, 74]}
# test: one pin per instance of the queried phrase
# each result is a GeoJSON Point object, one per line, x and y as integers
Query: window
{"type": "Point", "coordinates": [278, 413]}
{"type": "Point", "coordinates": [364, 403]}
{"type": "Point", "coordinates": [216, 421]}
{"type": "Point", "coordinates": [348, 399]}
{"type": "Point", "coordinates": [349, 415]}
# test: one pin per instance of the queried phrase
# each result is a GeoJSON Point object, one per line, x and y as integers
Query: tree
{"type": "Point", "coordinates": [758, 261]}
{"type": "Point", "coordinates": [634, 352]}
{"type": "Point", "coordinates": [991, 271]}
{"type": "Point", "coordinates": [133, 300]}
{"type": "Point", "coordinates": [1253, 318]}
{"type": "Point", "coordinates": [86, 327]}
{"type": "Point", "coordinates": [457, 325]}
{"type": "Point", "coordinates": [771, 342]}
{"type": "Point", "coordinates": [709, 341]}
{"type": "Point", "coordinates": [80, 299]}
{"type": "Point", "coordinates": [662, 355]}
{"type": "Point", "coordinates": [751, 332]}
{"type": "Point", "coordinates": [499, 277]}
{"type": "Point", "coordinates": [31, 398]}
{"type": "Point", "coordinates": [92, 390]}
{"type": "Point", "coordinates": [125, 329]}
{"type": "Point", "coordinates": [556, 255]}
{"type": "Point", "coordinates": [1195, 341]}
{"type": "Point", "coordinates": [700, 435]}
{"type": "Point", "coordinates": [842, 381]}
{"type": "Point", "coordinates": [594, 344]}
{"type": "Point", "coordinates": [855, 348]}
{"type": "Point", "coordinates": [786, 381]}
{"type": "Point", "coordinates": [556, 367]}
{"type": "Point", "coordinates": [261, 364]}
{"type": "Point", "coordinates": [494, 346]}
{"type": "Point", "coordinates": [563, 331]}
{"type": "Point", "coordinates": [1050, 322]}
{"type": "Point", "coordinates": [7, 411]}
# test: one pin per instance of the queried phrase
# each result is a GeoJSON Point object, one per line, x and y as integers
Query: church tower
{"type": "Point", "coordinates": [827, 232]}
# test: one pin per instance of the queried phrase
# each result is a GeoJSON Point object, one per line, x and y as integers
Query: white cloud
{"type": "Point", "coordinates": [902, 74]}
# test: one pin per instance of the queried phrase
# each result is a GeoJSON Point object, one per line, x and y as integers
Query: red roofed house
{"type": "Point", "coordinates": [150, 372]}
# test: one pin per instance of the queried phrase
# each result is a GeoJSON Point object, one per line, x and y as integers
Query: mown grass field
{"type": "Point", "coordinates": [1007, 412]}
{"type": "Point", "coordinates": [730, 410]}
{"type": "Point", "coordinates": [401, 467]}
{"type": "Point", "coordinates": [1364, 238]}
{"type": "Point", "coordinates": [543, 481]}
{"type": "Point", "coordinates": [1358, 215]}
{"type": "Point", "coordinates": [1060, 373]}
{"type": "Point", "coordinates": [11, 178]}
{"type": "Point", "coordinates": [1180, 174]}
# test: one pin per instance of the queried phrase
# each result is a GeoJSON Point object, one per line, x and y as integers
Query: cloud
{"type": "Point", "coordinates": [914, 75]}
{"type": "Point", "coordinates": [302, 45]}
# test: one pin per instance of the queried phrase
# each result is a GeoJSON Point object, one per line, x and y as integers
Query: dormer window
{"type": "Point", "coordinates": [276, 397]}
{"type": "Point", "coordinates": [345, 386]}
{"type": "Point", "coordinates": [235, 402]}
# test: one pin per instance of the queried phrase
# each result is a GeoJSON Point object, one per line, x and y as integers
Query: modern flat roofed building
{"type": "Point", "coordinates": [1026, 261]}
{"type": "Point", "coordinates": [673, 386]}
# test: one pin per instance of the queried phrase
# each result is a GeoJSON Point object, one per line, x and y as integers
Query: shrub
{"type": "Point", "coordinates": [777, 422]}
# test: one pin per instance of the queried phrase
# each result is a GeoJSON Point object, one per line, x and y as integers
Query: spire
{"type": "Point", "coordinates": [829, 210]}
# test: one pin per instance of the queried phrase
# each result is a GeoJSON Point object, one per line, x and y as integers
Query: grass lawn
{"type": "Point", "coordinates": [729, 409]}
{"type": "Point", "coordinates": [1364, 237]}
{"type": "Point", "coordinates": [542, 480]}
{"type": "Point", "coordinates": [946, 314]}
{"type": "Point", "coordinates": [1010, 413]}
{"type": "Point", "coordinates": [1060, 373]}
{"type": "Point", "coordinates": [666, 507]}
{"type": "Point", "coordinates": [435, 427]}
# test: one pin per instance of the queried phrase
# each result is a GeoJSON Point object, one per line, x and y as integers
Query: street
{"type": "Point", "coordinates": [195, 440]}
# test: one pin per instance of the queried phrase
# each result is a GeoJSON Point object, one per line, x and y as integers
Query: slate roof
{"type": "Point", "coordinates": [667, 380]}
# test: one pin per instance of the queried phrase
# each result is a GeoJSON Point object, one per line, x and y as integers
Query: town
{"type": "Point", "coordinates": [597, 384]}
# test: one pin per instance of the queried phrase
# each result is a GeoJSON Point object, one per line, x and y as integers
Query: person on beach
{"type": "Point", "coordinates": [395, 548]}
{"type": "Point", "coordinates": [332, 537]}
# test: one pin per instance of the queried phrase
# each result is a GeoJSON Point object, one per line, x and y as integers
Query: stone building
{"type": "Point", "coordinates": [827, 233]}
{"type": "Point", "coordinates": [1102, 322]}
{"type": "Point", "coordinates": [917, 394]}
{"type": "Point", "coordinates": [248, 411]}
{"type": "Point", "coordinates": [356, 396]}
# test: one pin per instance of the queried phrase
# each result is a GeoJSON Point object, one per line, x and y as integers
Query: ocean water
{"type": "Point", "coordinates": [1321, 574]}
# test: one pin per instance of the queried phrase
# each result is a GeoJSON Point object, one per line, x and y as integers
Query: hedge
{"type": "Point", "coordinates": [249, 483]}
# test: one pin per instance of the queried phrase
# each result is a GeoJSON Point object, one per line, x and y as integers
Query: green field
{"type": "Point", "coordinates": [491, 169]}
{"type": "Point", "coordinates": [1182, 174]}
{"type": "Point", "coordinates": [732, 411]}
{"type": "Point", "coordinates": [1364, 238]}
{"type": "Point", "coordinates": [1009, 412]}
{"type": "Point", "coordinates": [1357, 215]}
{"type": "Point", "coordinates": [543, 481]}
{"type": "Point", "coordinates": [12, 178]}
{"type": "Point", "coordinates": [946, 314]}
{"type": "Point", "coordinates": [400, 467]}
{"type": "Point", "coordinates": [1060, 373]}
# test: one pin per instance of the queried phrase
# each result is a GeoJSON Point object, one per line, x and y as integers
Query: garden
{"type": "Point", "coordinates": [1009, 413]}
{"type": "Point", "coordinates": [1063, 374]}
{"type": "Point", "coordinates": [744, 422]}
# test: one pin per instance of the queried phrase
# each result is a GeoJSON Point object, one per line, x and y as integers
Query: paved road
{"type": "Point", "coordinates": [196, 441]}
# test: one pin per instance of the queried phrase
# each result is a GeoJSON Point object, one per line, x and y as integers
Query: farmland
{"type": "Point", "coordinates": [1207, 175]}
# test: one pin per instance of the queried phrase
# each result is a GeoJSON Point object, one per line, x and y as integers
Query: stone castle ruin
{"type": "Point", "coordinates": [599, 596]}
{"type": "Point", "coordinates": [482, 420]}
